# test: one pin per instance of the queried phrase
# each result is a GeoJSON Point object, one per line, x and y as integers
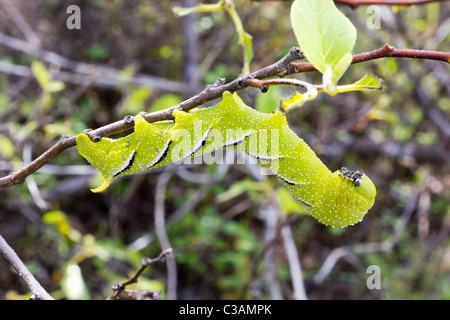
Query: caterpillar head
{"type": "Point", "coordinates": [365, 188]}
{"type": "Point", "coordinates": [348, 197]}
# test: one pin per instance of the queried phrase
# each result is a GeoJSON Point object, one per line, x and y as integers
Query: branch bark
{"type": "Point", "coordinates": [212, 92]}
{"type": "Point", "coordinates": [37, 291]}
{"type": "Point", "coordinates": [386, 51]}
{"type": "Point", "coordinates": [286, 66]}
{"type": "Point", "coordinates": [356, 3]}
{"type": "Point", "coordinates": [119, 291]}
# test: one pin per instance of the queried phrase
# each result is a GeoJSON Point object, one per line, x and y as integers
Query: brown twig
{"type": "Point", "coordinates": [356, 3]}
{"type": "Point", "coordinates": [37, 291]}
{"type": "Point", "coordinates": [212, 92]}
{"type": "Point", "coordinates": [386, 51]}
{"type": "Point", "coordinates": [264, 85]}
{"type": "Point", "coordinates": [361, 248]}
{"type": "Point", "coordinates": [119, 291]}
{"type": "Point", "coordinates": [287, 65]}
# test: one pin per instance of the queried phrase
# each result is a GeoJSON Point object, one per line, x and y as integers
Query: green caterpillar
{"type": "Point", "coordinates": [341, 198]}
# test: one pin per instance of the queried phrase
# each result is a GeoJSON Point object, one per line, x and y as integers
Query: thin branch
{"type": "Point", "coordinates": [160, 230]}
{"type": "Point", "coordinates": [356, 3]}
{"type": "Point", "coordinates": [37, 291]}
{"type": "Point", "coordinates": [20, 22]}
{"type": "Point", "coordinates": [295, 265]}
{"type": "Point", "coordinates": [386, 51]}
{"type": "Point", "coordinates": [287, 65]}
{"type": "Point", "coordinates": [270, 216]}
{"type": "Point", "coordinates": [119, 291]}
{"type": "Point", "coordinates": [83, 74]}
{"type": "Point", "coordinates": [360, 248]}
{"type": "Point", "coordinates": [19, 176]}
{"type": "Point", "coordinates": [264, 85]}
{"type": "Point", "coordinates": [279, 68]}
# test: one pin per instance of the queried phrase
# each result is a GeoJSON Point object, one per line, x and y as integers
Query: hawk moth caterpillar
{"type": "Point", "coordinates": [341, 198]}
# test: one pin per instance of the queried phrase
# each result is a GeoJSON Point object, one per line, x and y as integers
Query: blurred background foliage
{"type": "Point", "coordinates": [223, 221]}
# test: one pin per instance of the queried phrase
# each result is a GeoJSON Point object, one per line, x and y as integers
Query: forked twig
{"type": "Point", "coordinates": [121, 293]}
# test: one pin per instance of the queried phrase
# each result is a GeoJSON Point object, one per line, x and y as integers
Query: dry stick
{"type": "Point", "coordinates": [119, 291]}
{"type": "Point", "coordinates": [20, 22]}
{"type": "Point", "coordinates": [295, 266]}
{"type": "Point", "coordinates": [160, 230]}
{"type": "Point", "coordinates": [283, 67]}
{"type": "Point", "coordinates": [37, 291]}
{"type": "Point", "coordinates": [81, 73]}
{"type": "Point", "coordinates": [360, 248]}
{"type": "Point", "coordinates": [386, 51]}
{"type": "Point", "coordinates": [356, 3]}
{"type": "Point", "coordinates": [279, 68]}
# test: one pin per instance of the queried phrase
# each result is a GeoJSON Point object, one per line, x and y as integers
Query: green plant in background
{"type": "Point", "coordinates": [46, 83]}
{"type": "Point", "coordinates": [245, 39]}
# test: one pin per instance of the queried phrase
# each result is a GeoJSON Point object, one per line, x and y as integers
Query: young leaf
{"type": "Point", "coordinates": [181, 12]}
{"type": "Point", "coordinates": [324, 34]}
{"type": "Point", "coordinates": [7, 147]}
{"type": "Point", "coordinates": [297, 100]}
{"type": "Point", "coordinates": [368, 82]}
{"type": "Point", "coordinates": [55, 86]}
{"type": "Point", "coordinates": [41, 74]}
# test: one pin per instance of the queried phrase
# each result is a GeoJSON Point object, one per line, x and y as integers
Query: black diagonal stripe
{"type": "Point", "coordinates": [201, 145]}
{"type": "Point", "coordinates": [304, 202]}
{"type": "Point", "coordinates": [287, 181]}
{"type": "Point", "coordinates": [166, 152]}
{"type": "Point", "coordinates": [236, 143]}
{"type": "Point", "coordinates": [130, 163]}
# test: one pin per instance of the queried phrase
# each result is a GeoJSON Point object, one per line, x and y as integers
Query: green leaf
{"type": "Point", "coordinates": [135, 100]}
{"type": "Point", "coordinates": [368, 82]}
{"type": "Point", "coordinates": [324, 34]}
{"type": "Point", "coordinates": [268, 102]}
{"type": "Point", "coordinates": [238, 188]}
{"type": "Point", "coordinates": [165, 101]}
{"type": "Point", "coordinates": [7, 148]}
{"type": "Point", "coordinates": [341, 67]}
{"type": "Point", "coordinates": [55, 86]}
{"type": "Point", "coordinates": [246, 41]}
{"type": "Point", "coordinates": [58, 128]}
{"type": "Point", "coordinates": [298, 99]}
{"type": "Point", "coordinates": [98, 52]}
{"type": "Point", "coordinates": [41, 74]}
{"type": "Point", "coordinates": [180, 12]}
{"type": "Point", "coordinates": [60, 220]}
